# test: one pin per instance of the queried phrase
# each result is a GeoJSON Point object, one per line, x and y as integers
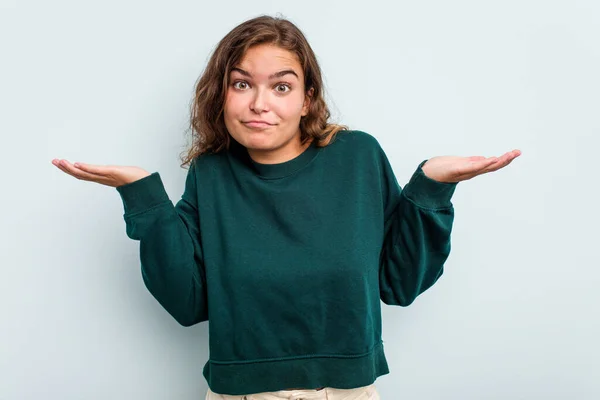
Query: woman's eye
{"type": "Point", "coordinates": [284, 85]}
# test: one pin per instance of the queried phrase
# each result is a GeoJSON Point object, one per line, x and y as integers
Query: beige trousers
{"type": "Point", "coordinates": [361, 393]}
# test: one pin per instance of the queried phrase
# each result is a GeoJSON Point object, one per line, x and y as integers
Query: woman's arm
{"type": "Point", "coordinates": [170, 245]}
{"type": "Point", "coordinates": [418, 223]}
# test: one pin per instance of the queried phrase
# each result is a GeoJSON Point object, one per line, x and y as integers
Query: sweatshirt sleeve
{"type": "Point", "coordinates": [170, 245]}
{"type": "Point", "coordinates": [418, 222]}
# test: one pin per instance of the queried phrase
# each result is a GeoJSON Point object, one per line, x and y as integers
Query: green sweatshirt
{"type": "Point", "coordinates": [289, 261]}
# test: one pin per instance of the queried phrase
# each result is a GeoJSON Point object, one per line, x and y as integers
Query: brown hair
{"type": "Point", "coordinates": [207, 124]}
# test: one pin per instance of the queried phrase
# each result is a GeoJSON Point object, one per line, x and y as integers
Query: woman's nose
{"type": "Point", "coordinates": [259, 102]}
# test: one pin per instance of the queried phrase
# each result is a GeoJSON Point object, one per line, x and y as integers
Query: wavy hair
{"type": "Point", "coordinates": [207, 124]}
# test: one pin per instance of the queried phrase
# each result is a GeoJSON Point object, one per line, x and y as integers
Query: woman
{"type": "Point", "coordinates": [290, 231]}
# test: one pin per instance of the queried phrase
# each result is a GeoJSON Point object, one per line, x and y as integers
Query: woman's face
{"type": "Point", "coordinates": [267, 85]}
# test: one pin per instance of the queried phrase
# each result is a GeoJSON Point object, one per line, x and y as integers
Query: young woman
{"type": "Point", "coordinates": [290, 231]}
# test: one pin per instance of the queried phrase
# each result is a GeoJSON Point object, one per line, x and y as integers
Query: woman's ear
{"type": "Point", "coordinates": [307, 100]}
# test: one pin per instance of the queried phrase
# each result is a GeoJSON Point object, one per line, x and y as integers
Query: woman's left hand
{"type": "Point", "coordinates": [451, 169]}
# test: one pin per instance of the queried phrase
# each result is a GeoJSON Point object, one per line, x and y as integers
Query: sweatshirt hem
{"type": "Point", "coordinates": [272, 374]}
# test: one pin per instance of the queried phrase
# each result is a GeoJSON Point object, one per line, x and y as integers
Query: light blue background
{"type": "Point", "coordinates": [515, 316]}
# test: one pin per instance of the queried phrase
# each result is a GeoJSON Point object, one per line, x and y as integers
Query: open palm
{"type": "Point", "coordinates": [109, 175]}
{"type": "Point", "coordinates": [455, 169]}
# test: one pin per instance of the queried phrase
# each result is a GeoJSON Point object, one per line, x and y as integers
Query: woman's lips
{"type": "Point", "coordinates": [257, 124]}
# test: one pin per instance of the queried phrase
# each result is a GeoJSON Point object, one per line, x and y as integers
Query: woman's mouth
{"type": "Point", "coordinates": [259, 125]}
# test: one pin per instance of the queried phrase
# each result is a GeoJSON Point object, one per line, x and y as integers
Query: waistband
{"type": "Point", "coordinates": [326, 393]}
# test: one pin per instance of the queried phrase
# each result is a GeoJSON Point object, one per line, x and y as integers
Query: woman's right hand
{"type": "Point", "coordinates": [109, 175]}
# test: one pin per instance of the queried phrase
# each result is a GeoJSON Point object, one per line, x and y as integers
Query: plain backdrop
{"type": "Point", "coordinates": [515, 315]}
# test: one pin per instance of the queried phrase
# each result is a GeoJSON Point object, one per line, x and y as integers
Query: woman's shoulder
{"type": "Point", "coordinates": [356, 139]}
{"type": "Point", "coordinates": [207, 163]}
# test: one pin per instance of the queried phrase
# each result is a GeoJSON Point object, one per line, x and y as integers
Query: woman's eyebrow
{"type": "Point", "coordinates": [275, 75]}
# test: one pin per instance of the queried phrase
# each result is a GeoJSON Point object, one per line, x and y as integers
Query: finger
{"type": "Point", "coordinates": [493, 164]}
{"type": "Point", "coordinates": [513, 153]}
{"type": "Point", "coordinates": [510, 155]}
{"type": "Point", "coordinates": [78, 173]}
{"type": "Point", "coordinates": [505, 159]}
{"type": "Point", "coordinates": [475, 166]}
{"type": "Point", "coordinates": [481, 164]}
{"type": "Point", "coordinates": [73, 171]}
{"type": "Point", "coordinates": [504, 164]}
{"type": "Point", "coordinates": [93, 169]}
{"type": "Point", "coordinates": [60, 164]}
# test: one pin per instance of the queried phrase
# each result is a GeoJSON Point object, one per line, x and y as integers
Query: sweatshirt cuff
{"type": "Point", "coordinates": [428, 193]}
{"type": "Point", "coordinates": [143, 194]}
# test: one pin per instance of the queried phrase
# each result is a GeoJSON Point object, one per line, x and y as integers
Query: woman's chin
{"type": "Point", "coordinates": [259, 142]}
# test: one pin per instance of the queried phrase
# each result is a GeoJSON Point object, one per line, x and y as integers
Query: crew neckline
{"type": "Point", "coordinates": [283, 169]}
